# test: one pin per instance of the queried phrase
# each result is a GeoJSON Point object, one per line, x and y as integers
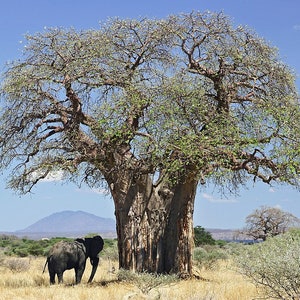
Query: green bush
{"type": "Point", "coordinates": [36, 250]}
{"type": "Point", "coordinates": [209, 256]}
{"type": "Point", "coordinates": [20, 251]}
{"type": "Point", "coordinates": [202, 237]}
{"type": "Point", "coordinates": [274, 265]}
{"type": "Point", "coordinates": [110, 249]}
{"type": "Point", "coordinates": [13, 246]}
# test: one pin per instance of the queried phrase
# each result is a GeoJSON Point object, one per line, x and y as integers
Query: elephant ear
{"type": "Point", "coordinates": [98, 244]}
{"type": "Point", "coordinates": [94, 245]}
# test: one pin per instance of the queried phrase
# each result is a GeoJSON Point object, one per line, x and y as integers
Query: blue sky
{"type": "Point", "coordinates": [278, 21]}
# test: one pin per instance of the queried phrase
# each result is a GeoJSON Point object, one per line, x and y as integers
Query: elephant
{"type": "Point", "coordinates": [66, 255]}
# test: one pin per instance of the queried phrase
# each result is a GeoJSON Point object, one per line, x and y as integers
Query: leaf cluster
{"type": "Point", "coordinates": [274, 265]}
{"type": "Point", "coordinates": [189, 94]}
{"type": "Point", "coordinates": [202, 237]}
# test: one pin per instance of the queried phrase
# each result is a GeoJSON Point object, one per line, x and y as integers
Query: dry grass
{"type": "Point", "coordinates": [30, 283]}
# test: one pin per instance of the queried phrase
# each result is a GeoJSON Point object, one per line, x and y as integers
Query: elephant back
{"type": "Point", "coordinates": [67, 247]}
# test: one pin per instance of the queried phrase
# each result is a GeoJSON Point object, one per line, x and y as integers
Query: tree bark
{"type": "Point", "coordinates": [154, 224]}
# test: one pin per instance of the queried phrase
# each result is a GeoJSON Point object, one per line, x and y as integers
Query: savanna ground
{"type": "Point", "coordinates": [22, 278]}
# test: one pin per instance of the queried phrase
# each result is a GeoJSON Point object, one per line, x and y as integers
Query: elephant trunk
{"type": "Point", "coordinates": [94, 263]}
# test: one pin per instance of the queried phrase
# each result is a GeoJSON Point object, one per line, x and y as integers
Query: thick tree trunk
{"type": "Point", "coordinates": [154, 225]}
{"type": "Point", "coordinates": [179, 233]}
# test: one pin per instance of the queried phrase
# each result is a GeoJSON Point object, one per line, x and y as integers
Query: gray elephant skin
{"type": "Point", "coordinates": [66, 255]}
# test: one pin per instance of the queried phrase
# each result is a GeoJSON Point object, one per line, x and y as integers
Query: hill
{"type": "Point", "coordinates": [70, 224]}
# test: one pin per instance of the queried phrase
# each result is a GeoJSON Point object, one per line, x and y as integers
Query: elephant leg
{"type": "Point", "coordinates": [52, 277]}
{"type": "Point", "coordinates": [94, 262]}
{"type": "Point", "coordinates": [78, 274]}
{"type": "Point", "coordinates": [60, 277]}
{"type": "Point", "coordinates": [51, 273]}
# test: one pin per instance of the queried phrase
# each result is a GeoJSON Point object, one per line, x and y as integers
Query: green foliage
{"type": "Point", "coordinates": [203, 237]}
{"type": "Point", "coordinates": [209, 256]}
{"type": "Point", "coordinates": [274, 265]}
{"type": "Point", "coordinates": [13, 246]}
{"type": "Point", "coordinates": [192, 84]}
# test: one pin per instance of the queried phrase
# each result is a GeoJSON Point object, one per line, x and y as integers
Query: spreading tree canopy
{"type": "Point", "coordinates": [267, 222]}
{"type": "Point", "coordinates": [152, 108]}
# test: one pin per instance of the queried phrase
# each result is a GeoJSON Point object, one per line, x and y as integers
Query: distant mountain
{"type": "Point", "coordinates": [79, 223]}
{"type": "Point", "coordinates": [70, 223]}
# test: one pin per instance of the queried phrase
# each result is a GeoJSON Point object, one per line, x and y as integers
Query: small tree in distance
{"type": "Point", "coordinates": [202, 237]}
{"type": "Point", "coordinates": [268, 221]}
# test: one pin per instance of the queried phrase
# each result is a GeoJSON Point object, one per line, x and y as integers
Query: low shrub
{"type": "Point", "coordinates": [274, 265]}
{"type": "Point", "coordinates": [146, 281]}
{"type": "Point", "coordinates": [208, 257]}
{"type": "Point", "coordinates": [17, 264]}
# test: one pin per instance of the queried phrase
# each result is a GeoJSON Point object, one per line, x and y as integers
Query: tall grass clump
{"type": "Point", "coordinates": [274, 265]}
{"type": "Point", "coordinates": [146, 281]}
{"type": "Point", "coordinates": [17, 264]}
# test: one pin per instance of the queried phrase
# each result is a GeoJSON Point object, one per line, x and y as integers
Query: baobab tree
{"type": "Point", "coordinates": [151, 108]}
{"type": "Point", "coordinates": [267, 222]}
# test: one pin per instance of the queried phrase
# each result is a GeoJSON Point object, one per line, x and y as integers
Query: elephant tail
{"type": "Point", "coordinates": [45, 264]}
